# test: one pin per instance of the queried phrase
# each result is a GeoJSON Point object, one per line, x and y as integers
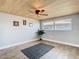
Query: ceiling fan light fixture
{"type": "Point", "coordinates": [42, 10]}
{"type": "Point", "coordinates": [37, 12]}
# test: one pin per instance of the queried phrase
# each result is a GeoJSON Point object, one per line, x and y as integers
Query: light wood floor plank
{"type": "Point", "coordinates": [58, 52]}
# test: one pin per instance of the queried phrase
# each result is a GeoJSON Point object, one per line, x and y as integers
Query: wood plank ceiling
{"type": "Point", "coordinates": [54, 8]}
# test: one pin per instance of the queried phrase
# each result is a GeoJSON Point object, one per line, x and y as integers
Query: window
{"type": "Point", "coordinates": [63, 24]}
{"type": "Point", "coordinates": [57, 25]}
{"type": "Point", "coordinates": [48, 25]}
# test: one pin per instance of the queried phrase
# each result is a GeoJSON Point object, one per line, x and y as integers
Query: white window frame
{"type": "Point", "coordinates": [54, 23]}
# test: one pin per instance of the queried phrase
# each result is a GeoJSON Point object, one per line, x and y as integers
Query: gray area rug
{"type": "Point", "coordinates": [37, 51]}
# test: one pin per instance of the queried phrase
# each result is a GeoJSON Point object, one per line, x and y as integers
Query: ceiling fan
{"type": "Point", "coordinates": [36, 8]}
{"type": "Point", "coordinates": [40, 12]}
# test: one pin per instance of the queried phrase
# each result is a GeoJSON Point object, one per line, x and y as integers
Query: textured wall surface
{"type": "Point", "coordinates": [66, 36]}
{"type": "Point", "coordinates": [10, 34]}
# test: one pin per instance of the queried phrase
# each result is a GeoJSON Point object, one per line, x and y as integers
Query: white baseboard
{"type": "Point", "coordinates": [16, 44]}
{"type": "Point", "coordinates": [61, 42]}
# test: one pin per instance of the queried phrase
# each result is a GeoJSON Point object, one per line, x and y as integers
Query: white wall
{"type": "Point", "coordinates": [65, 36]}
{"type": "Point", "coordinates": [10, 34]}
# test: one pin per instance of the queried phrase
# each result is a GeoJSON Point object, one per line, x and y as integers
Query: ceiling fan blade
{"type": "Point", "coordinates": [34, 16]}
{"type": "Point", "coordinates": [44, 14]}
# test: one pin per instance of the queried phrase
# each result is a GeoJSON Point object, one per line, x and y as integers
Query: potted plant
{"type": "Point", "coordinates": [40, 33]}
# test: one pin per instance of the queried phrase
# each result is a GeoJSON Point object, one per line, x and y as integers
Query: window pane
{"type": "Point", "coordinates": [63, 24]}
{"type": "Point", "coordinates": [48, 25]}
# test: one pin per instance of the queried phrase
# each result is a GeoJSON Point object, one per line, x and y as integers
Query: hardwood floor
{"type": "Point", "coordinates": [58, 52]}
